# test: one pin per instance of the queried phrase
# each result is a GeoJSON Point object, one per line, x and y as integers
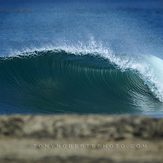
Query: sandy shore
{"type": "Point", "coordinates": [84, 139]}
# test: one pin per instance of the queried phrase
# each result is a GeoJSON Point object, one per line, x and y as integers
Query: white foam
{"type": "Point", "coordinates": [155, 77]}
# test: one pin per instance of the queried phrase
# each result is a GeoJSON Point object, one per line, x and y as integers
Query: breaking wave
{"type": "Point", "coordinates": [80, 80]}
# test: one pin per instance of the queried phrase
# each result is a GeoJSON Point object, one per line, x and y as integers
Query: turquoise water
{"type": "Point", "coordinates": [81, 57]}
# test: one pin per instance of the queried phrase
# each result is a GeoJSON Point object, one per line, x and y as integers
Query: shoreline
{"type": "Point", "coordinates": [80, 138]}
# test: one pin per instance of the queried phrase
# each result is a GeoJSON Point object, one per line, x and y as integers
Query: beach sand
{"type": "Point", "coordinates": [80, 138]}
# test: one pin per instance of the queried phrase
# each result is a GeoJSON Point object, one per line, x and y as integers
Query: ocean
{"type": "Point", "coordinates": [81, 56]}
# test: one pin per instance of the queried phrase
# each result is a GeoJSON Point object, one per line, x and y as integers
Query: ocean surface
{"type": "Point", "coordinates": [81, 56]}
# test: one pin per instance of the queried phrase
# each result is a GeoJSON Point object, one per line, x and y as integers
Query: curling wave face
{"type": "Point", "coordinates": [68, 80]}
